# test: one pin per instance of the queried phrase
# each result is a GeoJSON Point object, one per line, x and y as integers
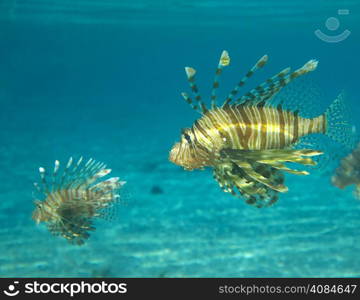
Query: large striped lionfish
{"type": "Point", "coordinates": [248, 141]}
{"type": "Point", "coordinates": [74, 197]}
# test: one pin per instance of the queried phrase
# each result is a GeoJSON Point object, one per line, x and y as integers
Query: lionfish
{"type": "Point", "coordinates": [74, 197]}
{"type": "Point", "coordinates": [248, 141]}
{"type": "Point", "coordinates": [348, 173]}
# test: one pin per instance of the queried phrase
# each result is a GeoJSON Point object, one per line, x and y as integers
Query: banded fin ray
{"type": "Point", "coordinates": [199, 104]}
{"type": "Point", "coordinates": [223, 62]}
{"type": "Point", "coordinates": [250, 171]}
{"type": "Point", "coordinates": [73, 176]}
{"type": "Point", "coordinates": [272, 86]}
{"type": "Point", "coordinates": [273, 157]}
{"type": "Point", "coordinates": [230, 177]}
{"type": "Point", "coordinates": [259, 64]}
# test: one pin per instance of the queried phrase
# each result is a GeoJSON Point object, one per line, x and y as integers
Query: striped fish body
{"type": "Point", "coordinates": [253, 128]}
{"type": "Point", "coordinates": [248, 140]}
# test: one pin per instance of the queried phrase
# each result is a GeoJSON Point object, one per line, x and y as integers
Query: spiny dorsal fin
{"type": "Point", "coordinates": [223, 62]}
{"type": "Point", "coordinates": [268, 89]}
{"type": "Point", "coordinates": [259, 64]}
{"type": "Point", "coordinates": [190, 73]}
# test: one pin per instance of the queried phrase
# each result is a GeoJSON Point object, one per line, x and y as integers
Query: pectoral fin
{"type": "Point", "coordinates": [274, 157]}
{"type": "Point", "coordinates": [256, 174]}
{"type": "Point", "coordinates": [260, 189]}
{"type": "Point", "coordinates": [249, 170]}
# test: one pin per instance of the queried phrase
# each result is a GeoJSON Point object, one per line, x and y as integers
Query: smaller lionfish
{"type": "Point", "coordinates": [348, 173]}
{"type": "Point", "coordinates": [74, 197]}
{"type": "Point", "coordinates": [249, 140]}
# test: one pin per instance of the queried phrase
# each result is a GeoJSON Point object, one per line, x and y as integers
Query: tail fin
{"type": "Point", "coordinates": [339, 127]}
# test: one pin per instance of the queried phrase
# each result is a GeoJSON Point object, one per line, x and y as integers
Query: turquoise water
{"type": "Point", "coordinates": [103, 79]}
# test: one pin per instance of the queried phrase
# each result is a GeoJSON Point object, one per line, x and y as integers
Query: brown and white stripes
{"type": "Point", "coordinates": [253, 127]}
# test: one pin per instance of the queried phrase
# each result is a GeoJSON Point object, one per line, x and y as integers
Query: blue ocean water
{"type": "Point", "coordinates": [102, 79]}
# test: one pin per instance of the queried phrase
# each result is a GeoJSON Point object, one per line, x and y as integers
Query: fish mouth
{"type": "Point", "coordinates": [174, 154]}
{"type": "Point", "coordinates": [180, 155]}
{"type": "Point", "coordinates": [183, 156]}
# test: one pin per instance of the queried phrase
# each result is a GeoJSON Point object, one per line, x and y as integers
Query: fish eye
{"type": "Point", "coordinates": [187, 137]}
{"type": "Point", "coordinates": [38, 203]}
